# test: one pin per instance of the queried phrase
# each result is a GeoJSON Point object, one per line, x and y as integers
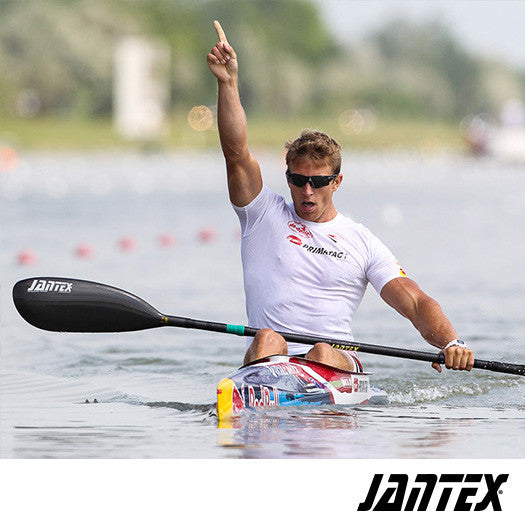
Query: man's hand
{"type": "Point", "coordinates": [457, 358]}
{"type": "Point", "coordinates": [222, 59]}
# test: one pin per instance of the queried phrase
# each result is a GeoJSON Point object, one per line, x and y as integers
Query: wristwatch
{"type": "Point", "coordinates": [456, 342]}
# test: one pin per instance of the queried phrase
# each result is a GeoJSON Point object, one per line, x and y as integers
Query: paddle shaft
{"type": "Point", "coordinates": [73, 305]}
{"type": "Point", "coordinates": [494, 366]}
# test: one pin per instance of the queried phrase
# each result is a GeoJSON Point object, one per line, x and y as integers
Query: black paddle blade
{"type": "Point", "coordinates": [72, 305]}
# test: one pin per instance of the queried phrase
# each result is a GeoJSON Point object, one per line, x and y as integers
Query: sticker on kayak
{"type": "Point", "coordinates": [259, 396]}
{"type": "Point", "coordinates": [41, 285]}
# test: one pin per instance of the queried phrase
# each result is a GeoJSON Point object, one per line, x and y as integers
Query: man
{"type": "Point", "coordinates": [306, 266]}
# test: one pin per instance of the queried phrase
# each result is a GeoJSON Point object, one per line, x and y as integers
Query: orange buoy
{"type": "Point", "coordinates": [166, 240]}
{"type": "Point", "coordinates": [127, 244]}
{"type": "Point", "coordinates": [84, 251]}
{"type": "Point", "coordinates": [207, 235]}
{"type": "Point", "coordinates": [26, 258]}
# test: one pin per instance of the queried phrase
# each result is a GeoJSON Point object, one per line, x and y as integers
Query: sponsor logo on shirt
{"type": "Point", "coordinates": [319, 250]}
{"type": "Point", "coordinates": [295, 240]}
{"type": "Point", "coordinates": [401, 271]}
{"type": "Point", "coordinates": [316, 250]}
{"type": "Point", "coordinates": [300, 229]}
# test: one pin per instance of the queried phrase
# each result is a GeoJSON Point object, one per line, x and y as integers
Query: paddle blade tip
{"type": "Point", "coordinates": [72, 305]}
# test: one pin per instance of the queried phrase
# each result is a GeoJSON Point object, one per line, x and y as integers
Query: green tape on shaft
{"type": "Point", "coordinates": [235, 329]}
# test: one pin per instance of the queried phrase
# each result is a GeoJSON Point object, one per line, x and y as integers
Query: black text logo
{"type": "Point", "coordinates": [471, 492]}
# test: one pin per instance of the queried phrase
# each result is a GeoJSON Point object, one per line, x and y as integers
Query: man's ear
{"type": "Point", "coordinates": [337, 181]}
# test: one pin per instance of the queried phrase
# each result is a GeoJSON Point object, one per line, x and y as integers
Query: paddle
{"type": "Point", "coordinates": [72, 305]}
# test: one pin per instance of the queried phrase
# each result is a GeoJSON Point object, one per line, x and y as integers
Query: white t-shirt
{"type": "Point", "coordinates": [307, 277]}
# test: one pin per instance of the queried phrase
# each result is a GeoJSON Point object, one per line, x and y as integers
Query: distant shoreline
{"type": "Point", "coordinates": [62, 134]}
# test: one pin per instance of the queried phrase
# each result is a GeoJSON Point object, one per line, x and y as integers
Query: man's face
{"type": "Point", "coordinates": [314, 204]}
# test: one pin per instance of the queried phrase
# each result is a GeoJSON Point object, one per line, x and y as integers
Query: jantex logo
{"type": "Point", "coordinates": [458, 492]}
{"type": "Point", "coordinates": [42, 285]}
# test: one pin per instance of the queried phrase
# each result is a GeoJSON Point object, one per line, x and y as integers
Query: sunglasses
{"type": "Point", "coordinates": [316, 181]}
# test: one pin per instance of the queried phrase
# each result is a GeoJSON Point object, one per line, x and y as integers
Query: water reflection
{"type": "Point", "coordinates": [281, 433]}
{"type": "Point", "coordinates": [429, 431]}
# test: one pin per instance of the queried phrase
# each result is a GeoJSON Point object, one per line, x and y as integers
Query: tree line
{"type": "Point", "coordinates": [57, 57]}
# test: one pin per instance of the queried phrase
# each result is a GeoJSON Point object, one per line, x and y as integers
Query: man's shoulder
{"type": "Point", "coordinates": [270, 194]}
{"type": "Point", "coordinates": [269, 197]}
{"type": "Point", "coordinates": [356, 232]}
{"type": "Point", "coordinates": [265, 198]}
{"type": "Point", "coordinates": [273, 203]}
{"type": "Point", "coordinates": [350, 225]}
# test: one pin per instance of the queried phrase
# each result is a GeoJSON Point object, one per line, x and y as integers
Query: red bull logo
{"type": "Point", "coordinates": [255, 397]}
{"type": "Point", "coordinates": [300, 229]}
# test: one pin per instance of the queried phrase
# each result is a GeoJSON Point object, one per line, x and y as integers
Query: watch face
{"type": "Point", "coordinates": [460, 341]}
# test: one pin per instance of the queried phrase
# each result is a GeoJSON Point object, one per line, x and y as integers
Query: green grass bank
{"type": "Point", "coordinates": [76, 134]}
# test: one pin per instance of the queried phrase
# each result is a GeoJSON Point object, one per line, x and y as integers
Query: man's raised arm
{"type": "Point", "coordinates": [244, 174]}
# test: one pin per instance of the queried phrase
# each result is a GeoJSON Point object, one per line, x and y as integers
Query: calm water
{"type": "Point", "coordinates": [457, 226]}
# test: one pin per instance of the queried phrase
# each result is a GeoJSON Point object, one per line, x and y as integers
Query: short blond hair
{"type": "Point", "coordinates": [317, 146]}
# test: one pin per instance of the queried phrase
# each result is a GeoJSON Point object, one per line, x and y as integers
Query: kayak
{"type": "Point", "coordinates": [283, 380]}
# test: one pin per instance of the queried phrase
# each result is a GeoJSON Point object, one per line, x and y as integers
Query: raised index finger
{"type": "Point", "coordinates": [220, 32]}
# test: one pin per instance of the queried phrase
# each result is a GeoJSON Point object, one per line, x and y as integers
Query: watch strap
{"type": "Point", "coordinates": [456, 342]}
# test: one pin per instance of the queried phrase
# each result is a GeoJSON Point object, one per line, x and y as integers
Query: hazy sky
{"type": "Point", "coordinates": [494, 28]}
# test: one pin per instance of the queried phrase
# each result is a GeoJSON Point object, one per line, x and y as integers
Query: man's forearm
{"type": "Point", "coordinates": [244, 174]}
{"type": "Point", "coordinates": [428, 318]}
{"type": "Point", "coordinates": [231, 120]}
{"type": "Point", "coordinates": [432, 323]}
